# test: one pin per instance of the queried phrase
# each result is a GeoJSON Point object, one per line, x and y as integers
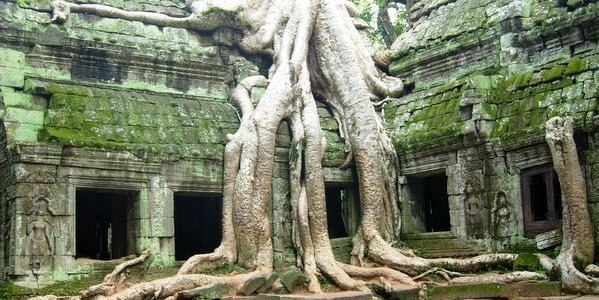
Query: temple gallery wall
{"type": "Point", "coordinates": [112, 133]}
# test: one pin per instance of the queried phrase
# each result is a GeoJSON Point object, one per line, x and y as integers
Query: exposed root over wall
{"type": "Point", "coordinates": [319, 56]}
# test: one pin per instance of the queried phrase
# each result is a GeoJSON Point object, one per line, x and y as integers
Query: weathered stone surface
{"type": "Point", "coordinates": [86, 108]}
{"type": "Point", "coordinates": [487, 75]}
{"type": "Point", "coordinates": [441, 244]}
{"type": "Point", "coordinates": [270, 280]}
{"type": "Point", "coordinates": [212, 291]}
{"type": "Point", "coordinates": [332, 296]}
{"type": "Point", "coordinates": [495, 290]}
{"type": "Point", "coordinates": [291, 278]}
{"type": "Point", "coordinates": [403, 293]}
{"type": "Point", "coordinates": [252, 285]}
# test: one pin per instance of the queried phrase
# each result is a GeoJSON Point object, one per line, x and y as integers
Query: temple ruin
{"type": "Point", "coordinates": [112, 133]}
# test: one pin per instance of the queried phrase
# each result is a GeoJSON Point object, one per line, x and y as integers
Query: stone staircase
{"type": "Point", "coordinates": [342, 248]}
{"type": "Point", "coordinates": [105, 267]}
{"type": "Point", "coordinates": [441, 244]}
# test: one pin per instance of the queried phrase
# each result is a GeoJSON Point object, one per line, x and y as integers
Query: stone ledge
{"type": "Point", "coordinates": [330, 296]}
{"type": "Point", "coordinates": [496, 290]}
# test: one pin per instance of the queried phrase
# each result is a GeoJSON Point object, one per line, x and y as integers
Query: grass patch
{"type": "Point", "coordinates": [9, 290]}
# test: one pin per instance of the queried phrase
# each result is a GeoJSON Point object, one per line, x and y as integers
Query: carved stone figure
{"type": "Point", "coordinates": [501, 214]}
{"type": "Point", "coordinates": [473, 207]}
{"type": "Point", "coordinates": [39, 236]}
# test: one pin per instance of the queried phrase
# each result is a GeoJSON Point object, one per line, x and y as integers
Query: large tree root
{"type": "Point", "coordinates": [113, 281]}
{"type": "Point", "coordinates": [318, 56]}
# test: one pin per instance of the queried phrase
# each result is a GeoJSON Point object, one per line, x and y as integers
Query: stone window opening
{"type": "Point", "coordinates": [105, 223]}
{"type": "Point", "coordinates": [431, 202]}
{"type": "Point", "coordinates": [198, 224]}
{"type": "Point", "coordinates": [541, 200]}
{"type": "Point", "coordinates": [343, 211]}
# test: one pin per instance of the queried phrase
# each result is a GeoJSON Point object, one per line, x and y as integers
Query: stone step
{"type": "Point", "coordinates": [528, 290]}
{"type": "Point", "coordinates": [430, 235]}
{"type": "Point", "coordinates": [342, 249]}
{"type": "Point", "coordinates": [403, 293]}
{"type": "Point", "coordinates": [444, 247]}
{"type": "Point", "coordinates": [496, 290]}
{"type": "Point", "coordinates": [350, 295]}
{"type": "Point", "coordinates": [453, 253]}
{"type": "Point", "coordinates": [104, 267]}
{"type": "Point", "coordinates": [440, 244]}
{"type": "Point", "coordinates": [565, 297]}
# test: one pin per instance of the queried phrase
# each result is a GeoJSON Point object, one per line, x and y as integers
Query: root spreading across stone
{"type": "Point", "coordinates": [318, 55]}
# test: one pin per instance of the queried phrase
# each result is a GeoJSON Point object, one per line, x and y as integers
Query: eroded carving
{"type": "Point", "coordinates": [474, 209]}
{"type": "Point", "coordinates": [501, 214]}
{"type": "Point", "coordinates": [40, 239]}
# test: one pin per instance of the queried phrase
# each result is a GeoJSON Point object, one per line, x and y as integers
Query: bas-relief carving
{"type": "Point", "coordinates": [474, 209]}
{"type": "Point", "coordinates": [40, 240]}
{"type": "Point", "coordinates": [502, 215]}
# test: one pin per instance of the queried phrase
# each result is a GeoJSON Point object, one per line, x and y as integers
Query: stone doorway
{"type": "Point", "coordinates": [343, 211]}
{"type": "Point", "coordinates": [431, 202]}
{"type": "Point", "coordinates": [105, 223]}
{"type": "Point", "coordinates": [198, 224]}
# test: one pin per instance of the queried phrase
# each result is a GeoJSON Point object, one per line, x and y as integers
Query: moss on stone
{"type": "Point", "coordinates": [390, 112]}
{"type": "Point", "coordinates": [517, 81]}
{"type": "Point", "coordinates": [486, 290]}
{"type": "Point", "coordinates": [575, 66]}
{"type": "Point", "coordinates": [527, 262]}
{"type": "Point", "coordinates": [553, 73]}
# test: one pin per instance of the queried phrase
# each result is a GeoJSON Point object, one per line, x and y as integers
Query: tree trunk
{"type": "Point", "coordinates": [318, 54]}
{"type": "Point", "coordinates": [577, 248]}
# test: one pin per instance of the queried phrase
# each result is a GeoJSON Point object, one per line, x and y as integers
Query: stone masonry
{"type": "Point", "coordinates": [109, 105]}
{"type": "Point", "coordinates": [101, 104]}
{"type": "Point", "coordinates": [485, 77]}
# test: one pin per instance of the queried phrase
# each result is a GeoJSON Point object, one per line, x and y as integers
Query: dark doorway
{"type": "Point", "coordinates": [343, 211]}
{"type": "Point", "coordinates": [541, 200]}
{"type": "Point", "coordinates": [198, 224]}
{"type": "Point", "coordinates": [432, 201]}
{"type": "Point", "coordinates": [105, 224]}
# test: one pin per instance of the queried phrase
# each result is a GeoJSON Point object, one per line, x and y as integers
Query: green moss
{"type": "Point", "coordinates": [576, 65]}
{"type": "Point", "coordinates": [481, 82]}
{"type": "Point", "coordinates": [293, 154]}
{"type": "Point", "coordinates": [70, 101]}
{"type": "Point", "coordinates": [517, 81]}
{"type": "Point", "coordinates": [566, 82]}
{"type": "Point", "coordinates": [527, 262]}
{"type": "Point", "coordinates": [554, 73]}
{"type": "Point", "coordinates": [486, 290]}
{"type": "Point", "coordinates": [390, 112]}
{"type": "Point", "coordinates": [520, 244]}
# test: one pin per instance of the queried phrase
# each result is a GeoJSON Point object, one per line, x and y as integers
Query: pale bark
{"type": "Point", "coordinates": [114, 279]}
{"type": "Point", "coordinates": [317, 53]}
{"type": "Point", "coordinates": [577, 230]}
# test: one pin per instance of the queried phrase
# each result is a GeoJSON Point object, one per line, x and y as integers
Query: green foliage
{"type": "Point", "coordinates": [368, 11]}
{"type": "Point", "coordinates": [23, 2]}
{"type": "Point", "coordinates": [400, 22]}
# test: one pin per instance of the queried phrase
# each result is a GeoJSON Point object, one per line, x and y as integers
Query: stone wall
{"type": "Point", "coordinates": [112, 105]}
{"type": "Point", "coordinates": [485, 77]}
{"type": "Point", "coordinates": [107, 105]}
